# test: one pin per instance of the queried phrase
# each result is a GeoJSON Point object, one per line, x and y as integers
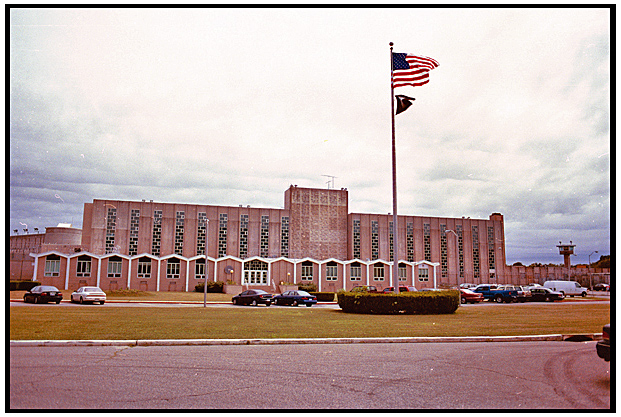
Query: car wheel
{"type": "Point", "coordinates": [499, 299]}
{"type": "Point", "coordinates": [57, 301]}
{"type": "Point", "coordinates": [584, 294]}
{"type": "Point", "coordinates": [294, 303]}
{"type": "Point", "coordinates": [81, 300]}
{"type": "Point", "coordinates": [463, 300]}
{"type": "Point", "coordinates": [36, 300]}
{"type": "Point", "coordinates": [102, 302]}
{"type": "Point", "coordinates": [268, 304]}
{"type": "Point", "coordinates": [254, 303]}
{"type": "Point", "coordinates": [309, 305]}
{"type": "Point", "coordinates": [234, 301]}
{"type": "Point", "coordinates": [275, 302]}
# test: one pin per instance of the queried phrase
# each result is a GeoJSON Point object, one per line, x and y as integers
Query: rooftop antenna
{"type": "Point", "coordinates": [329, 181]}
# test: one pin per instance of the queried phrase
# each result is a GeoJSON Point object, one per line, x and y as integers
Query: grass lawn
{"type": "Point", "coordinates": [49, 322]}
{"type": "Point", "coordinates": [145, 295]}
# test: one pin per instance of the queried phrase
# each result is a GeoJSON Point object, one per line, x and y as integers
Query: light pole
{"type": "Point", "coordinates": [590, 273]}
{"type": "Point", "coordinates": [447, 231]}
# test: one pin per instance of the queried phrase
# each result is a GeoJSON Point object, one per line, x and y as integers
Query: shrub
{"type": "Point", "coordinates": [22, 285]}
{"type": "Point", "coordinates": [420, 302]}
{"type": "Point", "coordinates": [323, 296]}
{"type": "Point", "coordinates": [212, 286]}
{"type": "Point", "coordinates": [308, 287]}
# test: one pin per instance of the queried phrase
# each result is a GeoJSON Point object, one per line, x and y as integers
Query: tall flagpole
{"type": "Point", "coordinates": [395, 226]}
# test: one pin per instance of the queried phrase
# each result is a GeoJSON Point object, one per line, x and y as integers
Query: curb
{"type": "Point", "coordinates": [314, 341]}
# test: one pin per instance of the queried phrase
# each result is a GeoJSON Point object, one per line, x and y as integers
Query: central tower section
{"type": "Point", "coordinates": [318, 222]}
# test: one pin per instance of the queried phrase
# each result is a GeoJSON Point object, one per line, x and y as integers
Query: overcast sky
{"type": "Point", "coordinates": [230, 106]}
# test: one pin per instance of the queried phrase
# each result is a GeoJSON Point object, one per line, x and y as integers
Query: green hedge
{"type": "Point", "coordinates": [323, 296]}
{"type": "Point", "coordinates": [419, 302]}
{"type": "Point", "coordinates": [212, 286]}
{"type": "Point", "coordinates": [308, 287]}
{"type": "Point", "coordinates": [22, 285]}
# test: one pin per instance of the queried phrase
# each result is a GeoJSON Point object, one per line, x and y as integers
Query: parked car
{"type": "Point", "coordinates": [468, 296]}
{"type": "Point", "coordinates": [545, 294]}
{"type": "Point", "coordinates": [365, 288]}
{"type": "Point", "coordinates": [294, 298]}
{"type": "Point", "coordinates": [402, 288]}
{"type": "Point", "coordinates": [252, 297]}
{"type": "Point", "coordinates": [88, 295]}
{"type": "Point", "coordinates": [467, 285]}
{"type": "Point", "coordinates": [568, 288]}
{"type": "Point", "coordinates": [43, 294]}
{"type": "Point", "coordinates": [601, 287]}
{"type": "Point", "coordinates": [524, 293]}
{"type": "Point", "coordinates": [603, 346]}
{"type": "Point", "coordinates": [492, 292]}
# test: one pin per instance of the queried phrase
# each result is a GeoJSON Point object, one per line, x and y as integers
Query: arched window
{"type": "Point", "coordinates": [378, 272]}
{"type": "Point", "coordinates": [83, 266]}
{"type": "Point", "coordinates": [332, 271]}
{"type": "Point", "coordinates": [307, 271]}
{"type": "Point", "coordinates": [173, 266]}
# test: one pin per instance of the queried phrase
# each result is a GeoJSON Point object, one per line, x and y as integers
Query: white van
{"type": "Point", "coordinates": [568, 288]}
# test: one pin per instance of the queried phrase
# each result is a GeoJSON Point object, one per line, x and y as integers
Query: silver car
{"type": "Point", "coordinates": [88, 295]}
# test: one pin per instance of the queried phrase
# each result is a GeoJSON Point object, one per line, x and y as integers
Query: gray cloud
{"type": "Point", "coordinates": [231, 106]}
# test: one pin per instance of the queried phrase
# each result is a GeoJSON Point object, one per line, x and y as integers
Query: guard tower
{"type": "Point", "coordinates": [566, 250]}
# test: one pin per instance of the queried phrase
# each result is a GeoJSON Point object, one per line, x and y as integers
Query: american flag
{"type": "Point", "coordinates": [411, 69]}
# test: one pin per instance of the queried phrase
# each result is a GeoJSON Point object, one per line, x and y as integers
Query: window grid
{"type": "Point", "coordinates": [460, 240]}
{"type": "Point", "coordinates": [427, 241]}
{"type": "Point", "coordinates": [391, 240]}
{"type": "Point", "coordinates": [222, 235]}
{"type": "Point", "coordinates": [475, 252]}
{"type": "Point", "coordinates": [201, 233]}
{"type": "Point", "coordinates": [243, 236]}
{"type": "Point", "coordinates": [355, 272]}
{"type": "Point", "coordinates": [356, 240]}
{"type": "Point", "coordinates": [374, 239]}
{"type": "Point", "coordinates": [284, 236]}
{"type": "Point", "coordinates": [443, 251]}
{"type": "Point", "coordinates": [490, 246]}
{"type": "Point", "coordinates": [179, 230]}
{"type": "Point", "coordinates": [134, 224]}
{"type": "Point", "coordinates": [410, 241]}
{"type": "Point", "coordinates": [110, 229]}
{"type": "Point", "coordinates": [157, 233]}
{"type": "Point", "coordinates": [265, 234]}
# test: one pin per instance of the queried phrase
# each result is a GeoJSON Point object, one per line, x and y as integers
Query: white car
{"type": "Point", "coordinates": [88, 295]}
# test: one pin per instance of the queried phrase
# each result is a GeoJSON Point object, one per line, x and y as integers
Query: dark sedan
{"type": "Point", "coordinates": [295, 298]}
{"type": "Point", "coordinates": [253, 297]}
{"type": "Point", "coordinates": [545, 294]}
{"type": "Point", "coordinates": [43, 294]}
{"type": "Point", "coordinates": [603, 346]}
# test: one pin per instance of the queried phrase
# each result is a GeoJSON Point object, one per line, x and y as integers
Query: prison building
{"type": "Point", "coordinates": [158, 246]}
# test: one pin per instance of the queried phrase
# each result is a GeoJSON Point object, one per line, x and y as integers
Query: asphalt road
{"type": "Point", "coordinates": [484, 375]}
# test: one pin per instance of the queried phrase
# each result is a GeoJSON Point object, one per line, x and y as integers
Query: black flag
{"type": "Point", "coordinates": [403, 102]}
